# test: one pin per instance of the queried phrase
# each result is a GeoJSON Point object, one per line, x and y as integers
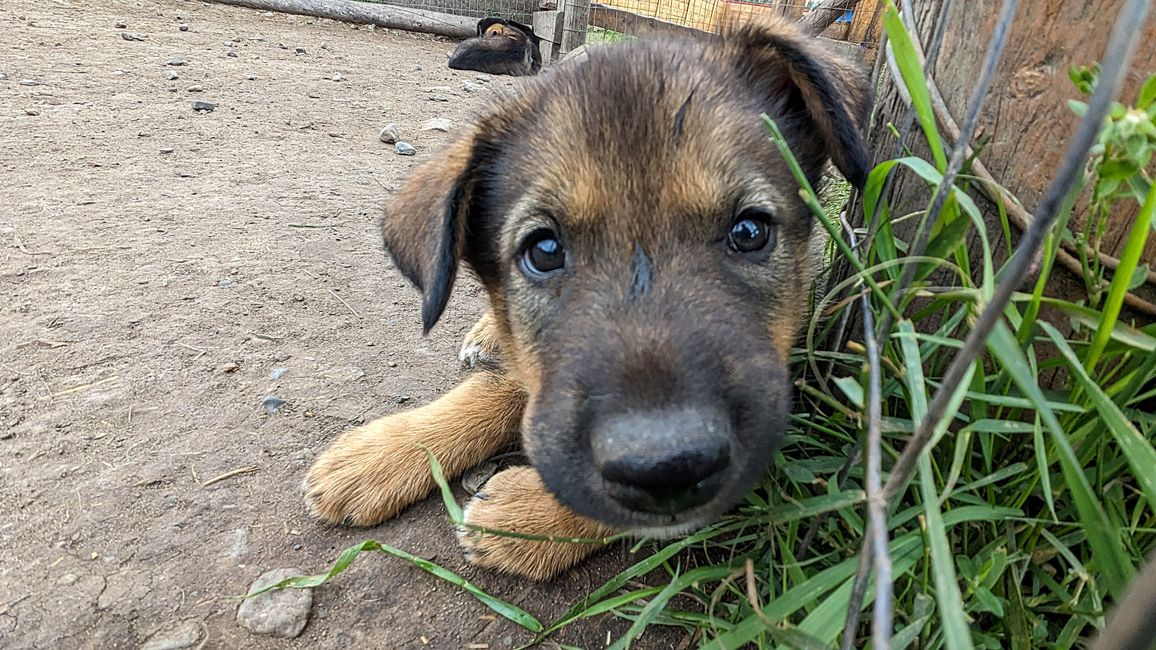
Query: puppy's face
{"type": "Point", "coordinates": [647, 258]}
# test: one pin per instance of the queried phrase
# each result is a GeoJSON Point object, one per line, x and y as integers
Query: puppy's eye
{"type": "Point", "coordinates": [752, 232]}
{"type": "Point", "coordinates": [542, 254]}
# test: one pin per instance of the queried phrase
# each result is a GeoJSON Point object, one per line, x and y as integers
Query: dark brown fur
{"type": "Point", "coordinates": [501, 47]}
{"type": "Point", "coordinates": [657, 352]}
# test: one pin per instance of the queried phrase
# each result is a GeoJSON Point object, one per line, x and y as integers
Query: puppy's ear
{"type": "Point", "coordinates": [808, 89]}
{"type": "Point", "coordinates": [486, 23]}
{"type": "Point", "coordinates": [425, 224]}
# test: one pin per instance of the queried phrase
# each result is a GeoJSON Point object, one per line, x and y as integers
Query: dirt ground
{"type": "Point", "coordinates": [162, 272]}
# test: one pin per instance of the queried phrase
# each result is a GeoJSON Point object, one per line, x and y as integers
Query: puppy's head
{"type": "Point", "coordinates": [645, 252]}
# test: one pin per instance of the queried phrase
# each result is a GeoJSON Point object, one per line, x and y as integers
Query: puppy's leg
{"type": "Point", "coordinates": [371, 473]}
{"type": "Point", "coordinates": [480, 348]}
{"type": "Point", "coordinates": [517, 501]}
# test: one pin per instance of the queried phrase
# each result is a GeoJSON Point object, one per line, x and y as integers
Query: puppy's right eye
{"type": "Point", "coordinates": [542, 255]}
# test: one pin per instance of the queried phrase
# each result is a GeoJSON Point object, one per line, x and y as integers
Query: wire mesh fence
{"type": "Point", "coordinates": [859, 26]}
{"type": "Point", "coordinates": [519, 10]}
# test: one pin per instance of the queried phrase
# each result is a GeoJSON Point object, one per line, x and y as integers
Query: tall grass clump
{"type": "Point", "coordinates": [953, 499]}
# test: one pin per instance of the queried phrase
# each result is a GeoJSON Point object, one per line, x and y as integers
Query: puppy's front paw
{"type": "Point", "coordinates": [368, 475]}
{"type": "Point", "coordinates": [515, 500]}
{"type": "Point", "coordinates": [480, 347]}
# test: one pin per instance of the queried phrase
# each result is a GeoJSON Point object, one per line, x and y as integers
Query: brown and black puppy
{"type": "Point", "coordinates": [647, 260]}
{"type": "Point", "coordinates": [501, 47]}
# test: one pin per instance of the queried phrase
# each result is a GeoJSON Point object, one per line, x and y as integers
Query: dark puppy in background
{"type": "Point", "coordinates": [647, 260]}
{"type": "Point", "coordinates": [501, 47]}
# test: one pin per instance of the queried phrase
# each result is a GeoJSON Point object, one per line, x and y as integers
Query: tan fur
{"type": "Point", "coordinates": [373, 472]}
{"type": "Point", "coordinates": [482, 344]}
{"type": "Point", "coordinates": [515, 500]}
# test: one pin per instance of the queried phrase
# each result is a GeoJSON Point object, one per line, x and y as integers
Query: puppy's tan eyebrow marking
{"type": "Point", "coordinates": [680, 114]}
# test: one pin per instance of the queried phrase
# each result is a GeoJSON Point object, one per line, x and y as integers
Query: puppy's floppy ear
{"type": "Point", "coordinates": [809, 88]}
{"type": "Point", "coordinates": [485, 24]}
{"type": "Point", "coordinates": [425, 224]}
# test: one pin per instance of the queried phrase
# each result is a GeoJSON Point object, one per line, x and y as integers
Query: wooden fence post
{"type": "Point", "coordinates": [574, 21]}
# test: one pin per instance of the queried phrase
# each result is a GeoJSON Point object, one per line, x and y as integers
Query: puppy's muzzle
{"type": "Point", "coordinates": [662, 461]}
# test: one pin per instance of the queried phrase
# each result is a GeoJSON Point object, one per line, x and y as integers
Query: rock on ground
{"type": "Point", "coordinates": [281, 613]}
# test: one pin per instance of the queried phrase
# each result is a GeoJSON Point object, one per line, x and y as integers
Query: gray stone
{"type": "Point", "coordinates": [484, 78]}
{"type": "Point", "coordinates": [471, 87]}
{"type": "Point", "coordinates": [120, 25]}
{"type": "Point", "coordinates": [208, 107]}
{"type": "Point", "coordinates": [278, 373]}
{"type": "Point", "coordinates": [29, 82]}
{"type": "Point", "coordinates": [184, 27]}
{"type": "Point", "coordinates": [390, 134]}
{"type": "Point", "coordinates": [176, 61]}
{"type": "Point", "coordinates": [175, 636]}
{"type": "Point", "coordinates": [173, 76]}
{"type": "Point", "coordinates": [132, 36]}
{"type": "Point", "coordinates": [404, 148]}
{"type": "Point", "coordinates": [282, 613]}
{"type": "Point", "coordinates": [272, 403]}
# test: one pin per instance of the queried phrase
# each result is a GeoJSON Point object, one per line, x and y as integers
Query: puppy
{"type": "Point", "coordinates": [501, 47]}
{"type": "Point", "coordinates": [647, 259]}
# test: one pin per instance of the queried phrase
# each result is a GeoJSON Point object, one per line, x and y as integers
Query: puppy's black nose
{"type": "Point", "coordinates": [663, 461]}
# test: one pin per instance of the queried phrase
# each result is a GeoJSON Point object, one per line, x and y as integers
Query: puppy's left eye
{"type": "Point", "coordinates": [752, 232]}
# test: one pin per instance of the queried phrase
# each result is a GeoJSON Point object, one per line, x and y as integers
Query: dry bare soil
{"type": "Point", "coordinates": [163, 271]}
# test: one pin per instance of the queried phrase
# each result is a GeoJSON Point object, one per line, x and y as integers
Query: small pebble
{"type": "Point", "coordinates": [120, 25]}
{"type": "Point", "coordinates": [132, 36]}
{"type": "Point", "coordinates": [437, 124]}
{"type": "Point", "coordinates": [471, 87]}
{"type": "Point", "coordinates": [231, 53]}
{"type": "Point", "coordinates": [298, 298]}
{"type": "Point", "coordinates": [404, 148]}
{"type": "Point", "coordinates": [225, 283]}
{"type": "Point", "coordinates": [272, 403]}
{"type": "Point", "coordinates": [252, 77]}
{"type": "Point", "coordinates": [29, 82]}
{"type": "Point", "coordinates": [31, 111]}
{"type": "Point", "coordinates": [337, 77]}
{"type": "Point", "coordinates": [167, 150]}
{"type": "Point", "coordinates": [208, 107]}
{"type": "Point", "coordinates": [176, 61]}
{"type": "Point", "coordinates": [195, 89]}
{"type": "Point", "coordinates": [184, 27]}
{"type": "Point", "coordinates": [282, 613]}
{"type": "Point", "coordinates": [299, 50]}
{"type": "Point", "coordinates": [392, 364]}
{"type": "Point", "coordinates": [173, 76]}
{"type": "Point", "coordinates": [438, 98]}
{"type": "Point", "coordinates": [231, 366]}
{"type": "Point", "coordinates": [390, 134]}
{"type": "Point", "coordinates": [484, 78]}
{"type": "Point", "coordinates": [439, 89]}
{"type": "Point", "coordinates": [402, 399]}
{"type": "Point", "coordinates": [278, 373]}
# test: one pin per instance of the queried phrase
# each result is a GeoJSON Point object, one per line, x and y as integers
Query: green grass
{"type": "Point", "coordinates": [1032, 505]}
{"type": "Point", "coordinates": [599, 36]}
